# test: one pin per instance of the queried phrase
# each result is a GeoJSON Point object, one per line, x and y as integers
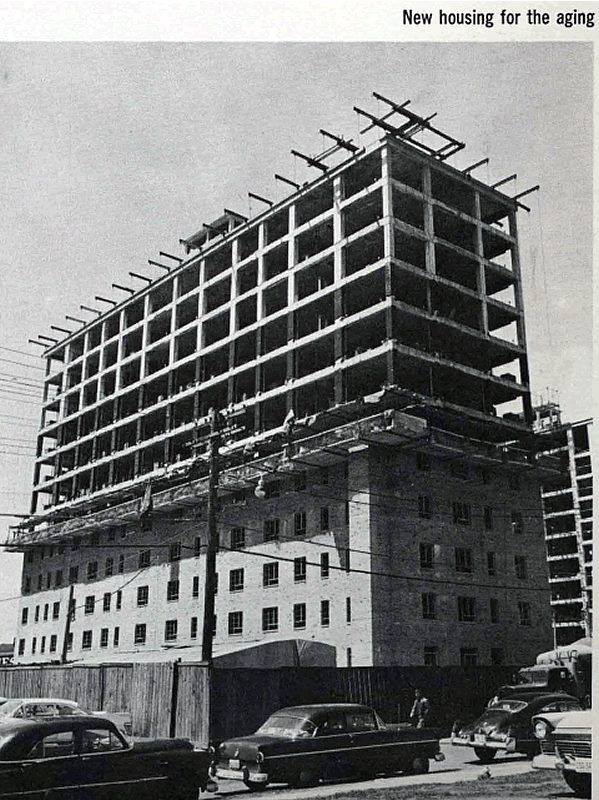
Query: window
{"type": "Point", "coordinates": [92, 570]}
{"type": "Point", "coordinates": [58, 578]}
{"type": "Point", "coordinates": [143, 595]}
{"type": "Point", "coordinates": [90, 604]}
{"type": "Point", "coordinates": [104, 637]}
{"type": "Point", "coordinates": [491, 564]}
{"type": "Point", "coordinates": [27, 585]}
{"type": "Point", "coordinates": [119, 600]}
{"type": "Point", "coordinates": [359, 721]}
{"type": "Point", "coordinates": [270, 619]}
{"type": "Point", "coordinates": [21, 647]}
{"type": "Point", "coordinates": [521, 567]}
{"type": "Point", "coordinates": [299, 523]}
{"type": "Point", "coordinates": [425, 506]}
{"type": "Point", "coordinates": [270, 574]}
{"type": "Point", "coordinates": [24, 616]}
{"type": "Point", "coordinates": [40, 578]}
{"type": "Point", "coordinates": [195, 586]}
{"type": "Point", "coordinates": [33, 644]}
{"type": "Point", "coordinates": [348, 656]}
{"type": "Point", "coordinates": [468, 656]}
{"type": "Point", "coordinates": [172, 590]}
{"type": "Point", "coordinates": [170, 630]}
{"type": "Point", "coordinates": [237, 538]}
{"type": "Point", "coordinates": [37, 614]}
{"type": "Point", "coordinates": [43, 645]}
{"type": "Point", "coordinates": [48, 580]}
{"type": "Point", "coordinates": [236, 622]}
{"type": "Point", "coordinates": [299, 570]}
{"type": "Point", "coordinates": [488, 518]}
{"type": "Point", "coordinates": [466, 609]}
{"type": "Point", "coordinates": [121, 567]}
{"type": "Point", "coordinates": [197, 546]}
{"type": "Point", "coordinates": [174, 553]}
{"type": "Point", "coordinates": [299, 615]}
{"type": "Point", "coordinates": [108, 567]}
{"type": "Point", "coordinates": [324, 565]}
{"type": "Point", "coordinates": [70, 641]}
{"type": "Point", "coordinates": [86, 640]}
{"type": "Point", "coordinates": [193, 629]}
{"type": "Point", "coordinates": [524, 613]}
{"type": "Point", "coordinates": [463, 559]}
{"type": "Point", "coordinates": [423, 462]}
{"type": "Point", "coordinates": [106, 601]}
{"type": "Point", "coordinates": [513, 481]}
{"type": "Point", "coordinates": [348, 610]}
{"type": "Point", "coordinates": [100, 739]}
{"type": "Point", "coordinates": [46, 611]}
{"type": "Point", "coordinates": [236, 580]}
{"type": "Point", "coordinates": [116, 636]}
{"type": "Point", "coordinates": [56, 610]}
{"type": "Point", "coordinates": [427, 555]}
{"type": "Point", "coordinates": [461, 513]}
{"type": "Point", "coordinates": [431, 655]}
{"type": "Point", "coordinates": [271, 530]}
{"type": "Point", "coordinates": [139, 634]}
{"type": "Point", "coordinates": [73, 574]}
{"type": "Point", "coordinates": [429, 605]}
{"type": "Point", "coordinates": [517, 526]}
{"type": "Point", "coordinates": [299, 483]}
{"type": "Point", "coordinates": [494, 609]}
{"type": "Point", "coordinates": [52, 746]}
{"type": "Point", "coordinates": [145, 558]}
{"type": "Point", "coordinates": [324, 518]}
{"type": "Point", "coordinates": [325, 613]}
{"type": "Point", "coordinates": [497, 656]}
{"type": "Point", "coordinates": [53, 643]}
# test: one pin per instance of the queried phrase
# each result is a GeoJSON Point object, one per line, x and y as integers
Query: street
{"type": "Point", "coordinates": [511, 775]}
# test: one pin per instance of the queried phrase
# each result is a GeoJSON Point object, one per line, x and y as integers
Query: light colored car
{"type": "Point", "coordinates": [50, 707]}
{"type": "Point", "coordinates": [565, 740]}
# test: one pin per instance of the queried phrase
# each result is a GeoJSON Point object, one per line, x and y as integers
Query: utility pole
{"type": "Point", "coordinates": [210, 580]}
{"type": "Point", "coordinates": [67, 627]}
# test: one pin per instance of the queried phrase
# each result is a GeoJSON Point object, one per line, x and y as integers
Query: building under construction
{"type": "Point", "coordinates": [378, 485]}
{"type": "Point", "coordinates": [568, 510]}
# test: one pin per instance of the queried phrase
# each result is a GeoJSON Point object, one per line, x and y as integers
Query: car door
{"type": "Point", "coordinates": [50, 767]}
{"type": "Point", "coordinates": [112, 769]}
{"type": "Point", "coordinates": [368, 744]}
{"type": "Point", "coordinates": [333, 745]}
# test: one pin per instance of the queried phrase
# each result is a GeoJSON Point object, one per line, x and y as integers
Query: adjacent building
{"type": "Point", "coordinates": [379, 492]}
{"type": "Point", "coordinates": [568, 512]}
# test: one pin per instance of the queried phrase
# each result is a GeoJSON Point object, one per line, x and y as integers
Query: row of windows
{"type": "Point", "coordinates": [467, 609]}
{"type": "Point", "coordinates": [464, 562]}
{"type": "Point", "coordinates": [461, 469]}
{"type": "Point", "coordinates": [43, 612]}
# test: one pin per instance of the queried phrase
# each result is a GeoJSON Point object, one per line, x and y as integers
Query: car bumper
{"type": "Point", "coordinates": [509, 745]}
{"type": "Point", "coordinates": [545, 761]}
{"type": "Point", "coordinates": [580, 765]}
{"type": "Point", "coordinates": [242, 774]}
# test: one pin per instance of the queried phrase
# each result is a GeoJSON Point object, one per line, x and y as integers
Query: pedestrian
{"type": "Point", "coordinates": [420, 710]}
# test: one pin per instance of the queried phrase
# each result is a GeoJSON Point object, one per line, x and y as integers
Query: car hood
{"type": "Point", "coordinates": [576, 720]}
{"type": "Point", "coordinates": [246, 747]}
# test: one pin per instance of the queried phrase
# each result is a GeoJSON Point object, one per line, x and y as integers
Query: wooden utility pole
{"type": "Point", "coordinates": [212, 546]}
{"type": "Point", "coordinates": [67, 626]}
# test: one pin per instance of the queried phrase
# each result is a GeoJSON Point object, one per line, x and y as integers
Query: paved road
{"type": "Point", "coordinates": [460, 765]}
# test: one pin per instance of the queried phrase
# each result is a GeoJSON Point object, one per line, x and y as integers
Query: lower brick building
{"type": "Point", "coordinates": [385, 540]}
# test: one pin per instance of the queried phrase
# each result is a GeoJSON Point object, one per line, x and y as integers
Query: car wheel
{"type": "Point", "coordinates": [304, 777]}
{"type": "Point", "coordinates": [484, 754]}
{"type": "Point", "coordinates": [418, 765]}
{"type": "Point", "coordinates": [255, 786]}
{"type": "Point", "coordinates": [580, 784]}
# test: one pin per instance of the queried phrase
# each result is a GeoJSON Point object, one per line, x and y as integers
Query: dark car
{"type": "Point", "coordinates": [506, 724]}
{"type": "Point", "coordinates": [86, 758]}
{"type": "Point", "coordinates": [302, 744]}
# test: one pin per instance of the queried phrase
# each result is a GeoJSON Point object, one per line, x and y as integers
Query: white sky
{"type": "Point", "coordinates": [111, 152]}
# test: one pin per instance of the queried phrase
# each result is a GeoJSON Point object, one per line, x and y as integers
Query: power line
{"type": "Point", "coordinates": [22, 364]}
{"type": "Point", "coordinates": [20, 352]}
{"type": "Point", "coordinates": [26, 419]}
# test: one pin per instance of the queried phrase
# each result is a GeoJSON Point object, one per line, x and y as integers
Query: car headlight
{"type": "Point", "coordinates": [259, 757]}
{"type": "Point", "coordinates": [541, 729]}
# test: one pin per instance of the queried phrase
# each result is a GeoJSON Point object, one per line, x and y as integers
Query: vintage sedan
{"type": "Point", "coordinates": [506, 724]}
{"type": "Point", "coordinates": [300, 745]}
{"type": "Point", "coordinates": [87, 758]}
{"type": "Point", "coordinates": [566, 745]}
{"type": "Point", "coordinates": [46, 707]}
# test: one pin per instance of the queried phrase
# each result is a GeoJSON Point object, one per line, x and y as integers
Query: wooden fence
{"type": "Point", "coordinates": [178, 699]}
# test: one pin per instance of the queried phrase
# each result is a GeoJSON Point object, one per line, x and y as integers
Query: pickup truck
{"type": "Point", "coordinates": [88, 758]}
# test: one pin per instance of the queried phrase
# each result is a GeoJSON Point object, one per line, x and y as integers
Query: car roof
{"type": "Point", "coordinates": [53, 723]}
{"type": "Point", "coordinates": [545, 697]}
{"type": "Point", "coordinates": [62, 700]}
{"type": "Point", "coordinates": [321, 708]}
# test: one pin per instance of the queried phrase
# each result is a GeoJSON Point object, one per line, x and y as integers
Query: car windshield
{"type": "Point", "coordinates": [288, 726]}
{"type": "Point", "coordinates": [9, 707]}
{"type": "Point", "coordinates": [507, 705]}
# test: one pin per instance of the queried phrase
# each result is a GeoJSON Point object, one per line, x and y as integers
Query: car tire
{"type": "Point", "coordinates": [484, 754]}
{"type": "Point", "coordinates": [418, 765]}
{"type": "Point", "coordinates": [255, 786]}
{"type": "Point", "coordinates": [580, 784]}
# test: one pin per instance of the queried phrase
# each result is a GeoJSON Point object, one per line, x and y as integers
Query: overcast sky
{"type": "Point", "coordinates": [112, 152]}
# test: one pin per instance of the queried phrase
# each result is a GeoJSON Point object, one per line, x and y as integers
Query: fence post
{"type": "Point", "coordinates": [174, 696]}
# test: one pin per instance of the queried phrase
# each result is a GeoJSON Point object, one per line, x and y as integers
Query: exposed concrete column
{"type": "Point", "coordinates": [259, 316]}
{"type": "Point", "coordinates": [586, 588]}
{"type": "Point", "coordinates": [291, 295]}
{"type": "Point", "coordinates": [429, 225]}
{"type": "Point", "coordinates": [520, 324]}
{"type": "Point", "coordinates": [481, 281]}
{"type": "Point", "coordinates": [359, 538]}
{"type": "Point", "coordinates": [338, 270]}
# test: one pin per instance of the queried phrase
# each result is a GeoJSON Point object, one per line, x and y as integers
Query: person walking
{"type": "Point", "coordinates": [420, 710]}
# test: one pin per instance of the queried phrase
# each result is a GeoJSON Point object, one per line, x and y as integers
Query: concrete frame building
{"type": "Point", "coordinates": [568, 512]}
{"type": "Point", "coordinates": [382, 304]}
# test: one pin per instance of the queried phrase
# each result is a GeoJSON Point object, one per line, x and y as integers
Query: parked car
{"type": "Point", "coordinates": [565, 743]}
{"type": "Point", "coordinates": [300, 745]}
{"type": "Point", "coordinates": [87, 758]}
{"type": "Point", "coordinates": [506, 724]}
{"type": "Point", "coordinates": [44, 707]}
